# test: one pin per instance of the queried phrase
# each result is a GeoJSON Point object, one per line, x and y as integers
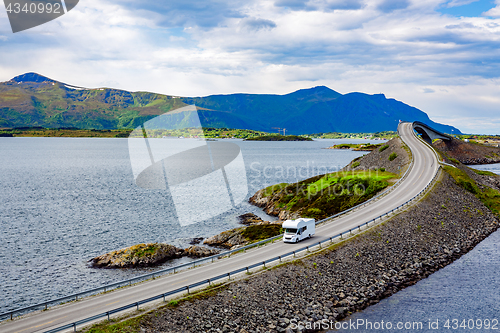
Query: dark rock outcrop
{"type": "Point", "coordinates": [227, 239]}
{"type": "Point", "coordinates": [196, 240]}
{"type": "Point", "coordinates": [140, 255]}
{"type": "Point", "coordinates": [199, 252]}
{"type": "Point", "coordinates": [468, 153]}
{"type": "Point", "coordinates": [249, 219]}
{"type": "Point", "coordinates": [148, 255]}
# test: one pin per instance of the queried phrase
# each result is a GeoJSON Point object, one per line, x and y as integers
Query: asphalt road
{"type": "Point", "coordinates": [424, 168]}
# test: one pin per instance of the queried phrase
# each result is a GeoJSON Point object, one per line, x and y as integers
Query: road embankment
{"type": "Point", "coordinates": [468, 153]}
{"type": "Point", "coordinates": [312, 292]}
{"type": "Point", "coordinates": [326, 195]}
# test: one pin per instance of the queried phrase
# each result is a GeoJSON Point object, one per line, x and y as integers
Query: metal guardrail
{"type": "Point", "coordinates": [209, 281]}
{"type": "Point", "coordinates": [435, 153]}
{"type": "Point", "coordinates": [228, 275]}
{"type": "Point", "coordinates": [193, 263]}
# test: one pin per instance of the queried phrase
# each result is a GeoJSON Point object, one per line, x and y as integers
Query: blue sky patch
{"type": "Point", "coordinates": [466, 8]}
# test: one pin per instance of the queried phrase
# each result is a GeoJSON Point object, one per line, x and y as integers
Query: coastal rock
{"type": "Point", "coordinates": [227, 239]}
{"type": "Point", "coordinates": [468, 153]}
{"type": "Point", "coordinates": [249, 219]}
{"type": "Point", "coordinates": [199, 252]}
{"type": "Point", "coordinates": [268, 204]}
{"type": "Point", "coordinates": [140, 255]}
{"type": "Point", "coordinates": [196, 240]}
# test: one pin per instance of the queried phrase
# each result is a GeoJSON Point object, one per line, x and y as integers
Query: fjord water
{"type": "Point", "coordinates": [467, 289]}
{"type": "Point", "coordinates": [66, 200]}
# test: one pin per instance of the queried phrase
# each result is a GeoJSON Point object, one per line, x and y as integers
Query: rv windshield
{"type": "Point", "coordinates": [290, 231]}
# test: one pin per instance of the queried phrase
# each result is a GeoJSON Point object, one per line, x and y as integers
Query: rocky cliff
{"type": "Point", "coordinates": [468, 153]}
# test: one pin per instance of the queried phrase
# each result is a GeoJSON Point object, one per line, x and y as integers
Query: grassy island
{"type": "Point", "coordinates": [322, 196]}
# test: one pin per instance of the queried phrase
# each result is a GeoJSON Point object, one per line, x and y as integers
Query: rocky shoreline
{"type": "Point", "coordinates": [148, 255]}
{"type": "Point", "coordinates": [154, 254]}
{"type": "Point", "coordinates": [309, 294]}
{"type": "Point", "coordinates": [306, 295]}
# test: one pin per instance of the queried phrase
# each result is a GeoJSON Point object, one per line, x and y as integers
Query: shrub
{"type": "Point", "coordinates": [468, 185]}
{"type": "Point", "coordinates": [355, 164]}
{"type": "Point", "coordinates": [484, 173]}
{"type": "Point", "coordinates": [384, 147]}
{"type": "Point", "coordinates": [255, 233]}
{"type": "Point", "coordinates": [393, 156]}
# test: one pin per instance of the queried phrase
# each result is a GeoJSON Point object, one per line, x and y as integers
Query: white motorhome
{"type": "Point", "coordinates": [297, 230]}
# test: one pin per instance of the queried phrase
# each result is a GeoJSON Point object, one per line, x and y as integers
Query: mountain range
{"type": "Point", "coordinates": [32, 100]}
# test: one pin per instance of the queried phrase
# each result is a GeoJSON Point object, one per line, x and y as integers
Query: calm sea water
{"type": "Point", "coordinates": [66, 200]}
{"type": "Point", "coordinates": [468, 289]}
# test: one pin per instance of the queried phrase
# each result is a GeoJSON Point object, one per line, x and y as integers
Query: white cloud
{"type": "Point", "coordinates": [446, 66]}
{"type": "Point", "coordinates": [495, 11]}
{"type": "Point", "coordinates": [457, 3]}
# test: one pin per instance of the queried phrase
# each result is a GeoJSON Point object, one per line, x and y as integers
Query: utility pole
{"type": "Point", "coordinates": [279, 129]}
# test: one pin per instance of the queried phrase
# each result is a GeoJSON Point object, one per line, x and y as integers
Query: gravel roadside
{"type": "Point", "coordinates": [304, 295]}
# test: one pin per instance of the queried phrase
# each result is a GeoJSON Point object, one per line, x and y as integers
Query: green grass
{"type": "Point", "coordinates": [132, 325]}
{"type": "Point", "coordinates": [255, 233]}
{"type": "Point", "coordinates": [488, 196]}
{"type": "Point", "coordinates": [355, 164]}
{"type": "Point", "coordinates": [274, 188]}
{"type": "Point", "coordinates": [384, 147]}
{"type": "Point", "coordinates": [325, 195]}
{"type": "Point", "coordinates": [484, 173]}
{"type": "Point", "coordinates": [334, 178]}
{"type": "Point", "coordinates": [392, 157]}
{"type": "Point", "coordinates": [143, 251]}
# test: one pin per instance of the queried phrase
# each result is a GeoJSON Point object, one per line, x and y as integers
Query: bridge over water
{"type": "Point", "coordinates": [428, 133]}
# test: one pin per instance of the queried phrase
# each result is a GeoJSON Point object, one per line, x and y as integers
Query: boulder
{"type": "Point", "coordinates": [227, 239]}
{"type": "Point", "coordinates": [199, 252]}
{"type": "Point", "coordinates": [249, 219]}
{"type": "Point", "coordinates": [140, 255]}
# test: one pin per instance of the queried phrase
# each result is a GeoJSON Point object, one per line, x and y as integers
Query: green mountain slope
{"type": "Point", "coordinates": [34, 100]}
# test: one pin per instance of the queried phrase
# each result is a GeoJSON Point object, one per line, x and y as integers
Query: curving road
{"type": "Point", "coordinates": [424, 168]}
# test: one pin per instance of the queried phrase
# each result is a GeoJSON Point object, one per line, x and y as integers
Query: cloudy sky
{"type": "Point", "coordinates": [440, 56]}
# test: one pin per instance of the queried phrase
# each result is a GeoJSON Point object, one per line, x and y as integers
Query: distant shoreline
{"type": "Point", "coordinates": [279, 138]}
{"type": "Point", "coordinates": [65, 133]}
